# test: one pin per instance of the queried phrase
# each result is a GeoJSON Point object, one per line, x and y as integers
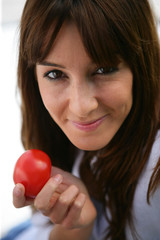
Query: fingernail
{"type": "Point", "coordinates": [17, 191]}
{"type": "Point", "coordinates": [58, 178]}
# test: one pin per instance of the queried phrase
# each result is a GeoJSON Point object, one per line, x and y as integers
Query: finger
{"type": "Point", "coordinates": [62, 206]}
{"type": "Point", "coordinates": [74, 216]}
{"type": "Point", "coordinates": [42, 201]}
{"type": "Point", "coordinates": [69, 179]}
{"type": "Point", "coordinates": [19, 199]}
{"type": "Point", "coordinates": [61, 188]}
{"type": "Point", "coordinates": [56, 171]}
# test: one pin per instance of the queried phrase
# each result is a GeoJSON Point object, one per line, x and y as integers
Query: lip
{"type": "Point", "coordinates": [89, 126]}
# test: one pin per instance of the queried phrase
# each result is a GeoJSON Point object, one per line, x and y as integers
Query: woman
{"type": "Point", "coordinates": [89, 79]}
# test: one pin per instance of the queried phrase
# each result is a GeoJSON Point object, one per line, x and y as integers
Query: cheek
{"type": "Point", "coordinates": [124, 103]}
{"type": "Point", "coordinates": [48, 98]}
{"type": "Point", "coordinates": [53, 102]}
{"type": "Point", "coordinates": [123, 99]}
{"type": "Point", "coordinates": [118, 98]}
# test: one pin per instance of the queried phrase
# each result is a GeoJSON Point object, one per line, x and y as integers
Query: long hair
{"type": "Point", "coordinates": [109, 29]}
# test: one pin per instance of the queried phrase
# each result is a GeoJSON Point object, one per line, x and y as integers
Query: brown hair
{"type": "Point", "coordinates": [109, 29]}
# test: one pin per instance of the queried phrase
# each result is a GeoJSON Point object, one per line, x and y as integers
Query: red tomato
{"type": "Point", "coordinates": [32, 169]}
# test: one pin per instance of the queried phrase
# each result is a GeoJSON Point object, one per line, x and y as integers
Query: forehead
{"type": "Point", "coordinates": [69, 45]}
{"type": "Point", "coordinates": [68, 42]}
{"type": "Point", "coordinates": [97, 35]}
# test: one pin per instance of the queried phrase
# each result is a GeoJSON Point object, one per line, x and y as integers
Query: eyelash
{"type": "Point", "coordinates": [61, 75]}
{"type": "Point", "coordinates": [106, 70]}
{"type": "Point", "coordinates": [57, 72]}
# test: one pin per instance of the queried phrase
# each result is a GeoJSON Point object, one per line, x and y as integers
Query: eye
{"type": "Point", "coordinates": [106, 70]}
{"type": "Point", "coordinates": [54, 75]}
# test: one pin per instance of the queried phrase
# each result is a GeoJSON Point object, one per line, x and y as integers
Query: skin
{"type": "Point", "coordinates": [89, 103]}
{"type": "Point", "coordinates": [65, 200]}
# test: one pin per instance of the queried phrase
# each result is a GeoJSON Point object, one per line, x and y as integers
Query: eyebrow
{"type": "Point", "coordinates": [46, 63]}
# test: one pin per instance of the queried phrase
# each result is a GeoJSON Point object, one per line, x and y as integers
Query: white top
{"type": "Point", "coordinates": [146, 217]}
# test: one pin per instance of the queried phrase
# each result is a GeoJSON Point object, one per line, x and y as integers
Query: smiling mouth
{"type": "Point", "coordinates": [89, 126]}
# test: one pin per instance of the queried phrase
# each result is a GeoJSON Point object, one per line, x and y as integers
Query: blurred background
{"type": "Point", "coordinates": [10, 120]}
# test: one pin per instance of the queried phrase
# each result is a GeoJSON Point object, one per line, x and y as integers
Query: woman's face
{"type": "Point", "coordinates": [88, 102]}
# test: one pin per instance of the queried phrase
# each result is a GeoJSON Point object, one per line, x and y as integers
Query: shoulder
{"type": "Point", "coordinates": [152, 161]}
{"type": "Point", "coordinates": [146, 216]}
{"type": "Point", "coordinates": [142, 186]}
{"type": "Point", "coordinates": [155, 152]}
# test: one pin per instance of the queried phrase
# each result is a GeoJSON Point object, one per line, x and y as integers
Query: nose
{"type": "Point", "coordinates": [82, 100]}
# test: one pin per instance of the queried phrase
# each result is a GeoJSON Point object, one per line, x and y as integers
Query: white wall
{"type": "Point", "coordinates": [10, 144]}
{"type": "Point", "coordinates": [156, 6]}
{"type": "Point", "coordinates": [11, 10]}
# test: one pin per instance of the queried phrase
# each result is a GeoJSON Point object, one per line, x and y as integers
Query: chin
{"type": "Point", "coordinates": [90, 146]}
{"type": "Point", "coordinates": [91, 142]}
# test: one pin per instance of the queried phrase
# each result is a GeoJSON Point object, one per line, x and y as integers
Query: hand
{"type": "Point", "coordinates": [64, 199]}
